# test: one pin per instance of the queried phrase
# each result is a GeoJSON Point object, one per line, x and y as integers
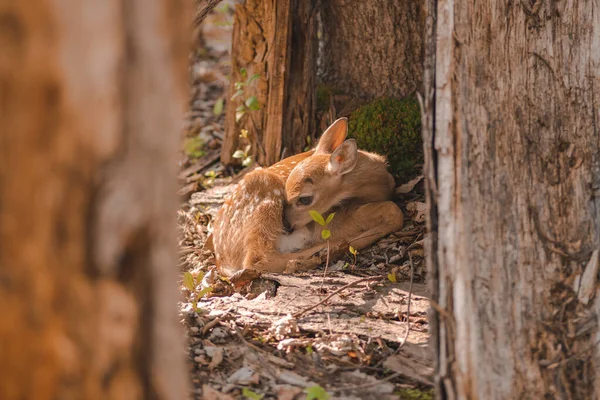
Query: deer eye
{"type": "Point", "coordinates": [305, 200]}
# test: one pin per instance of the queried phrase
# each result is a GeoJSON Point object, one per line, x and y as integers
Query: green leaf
{"type": "Point", "coordinates": [244, 133]}
{"type": "Point", "coordinates": [247, 161]}
{"type": "Point", "coordinates": [241, 107]}
{"type": "Point", "coordinates": [238, 154]}
{"type": "Point", "coordinates": [252, 79]}
{"type": "Point", "coordinates": [317, 217]}
{"type": "Point", "coordinates": [247, 149]}
{"type": "Point", "coordinates": [316, 393]}
{"type": "Point", "coordinates": [239, 86]}
{"type": "Point", "coordinates": [205, 291]}
{"type": "Point", "coordinates": [188, 281]}
{"type": "Point", "coordinates": [243, 72]}
{"type": "Point", "coordinates": [252, 103]}
{"type": "Point", "coordinates": [237, 94]}
{"type": "Point", "coordinates": [392, 277]}
{"type": "Point", "coordinates": [353, 250]}
{"type": "Point", "coordinates": [309, 349]}
{"type": "Point", "coordinates": [325, 234]}
{"type": "Point", "coordinates": [251, 395]}
{"type": "Point", "coordinates": [218, 108]}
{"type": "Point", "coordinates": [329, 218]}
{"type": "Point", "coordinates": [239, 115]}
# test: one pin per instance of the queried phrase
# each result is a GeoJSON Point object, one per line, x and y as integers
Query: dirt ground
{"type": "Point", "coordinates": [343, 335]}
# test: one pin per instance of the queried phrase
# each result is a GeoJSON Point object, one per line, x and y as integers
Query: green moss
{"type": "Point", "coordinates": [392, 128]}
{"type": "Point", "coordinates": [415, 394]}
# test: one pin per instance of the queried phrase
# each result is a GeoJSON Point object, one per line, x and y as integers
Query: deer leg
{"type": "Point", "coordinates": [366, 224]}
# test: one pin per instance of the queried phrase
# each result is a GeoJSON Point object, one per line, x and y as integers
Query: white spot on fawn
{"type": "Point", "coordinates": [277, 192]}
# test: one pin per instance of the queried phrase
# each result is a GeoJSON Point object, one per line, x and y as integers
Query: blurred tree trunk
{"type": "Point", "coordinates": [513, 176]}
{"type": "Point", "coordinates": [277, 41]}
{"type": "Point", "coordinates": [91, 96]}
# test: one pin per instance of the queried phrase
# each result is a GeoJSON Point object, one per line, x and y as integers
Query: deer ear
{"type": "Point", "coordinates": [343, 159]}
{"type": "Point", "coordinates": [333, 137]}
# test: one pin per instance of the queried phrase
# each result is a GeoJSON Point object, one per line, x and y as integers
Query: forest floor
{"type": "Point", "coordinates": [297, 336]}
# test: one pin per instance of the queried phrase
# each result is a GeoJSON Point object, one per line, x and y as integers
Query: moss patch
{"type": "Point", "coordinates": [392, 128]}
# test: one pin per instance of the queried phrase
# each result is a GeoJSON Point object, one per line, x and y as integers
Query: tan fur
{"type": "Point", "coordinates": [249, 232]}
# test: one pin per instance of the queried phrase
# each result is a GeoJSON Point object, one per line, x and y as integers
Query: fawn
{"type": "Point", "coordinates": [250, 232]}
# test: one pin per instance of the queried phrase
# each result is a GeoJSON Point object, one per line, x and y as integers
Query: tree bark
{"type": "Point", "coordinates": [513, 175]}
{"type": "Point", "coordinates": [91, 99]}
{"type": "Point", "coordinates": [373, 48]}
{"type": "Point", "coordinates": [276, 39]}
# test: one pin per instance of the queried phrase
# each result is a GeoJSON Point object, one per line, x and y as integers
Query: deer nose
{"type": "Point", "coordinates": [287, 227]}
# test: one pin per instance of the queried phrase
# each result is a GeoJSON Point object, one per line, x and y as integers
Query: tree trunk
{"type": "Point", "coordinates": [373, 48]}
{"type": "Point", "coordinates": [513, 168]}
{"type": "Point", "coordinates": [91, 99]}
{"type": "Point", "coordinates": [276, 39]}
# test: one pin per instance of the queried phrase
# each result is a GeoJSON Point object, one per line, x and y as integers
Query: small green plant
{"type": "Point", "coordinates": [246, 104]}
{"type": "Point", "coordinates": [210, 178]}
{"type": "Point", "coordinates": [318, 218]}
{"type": "Point", "coordinates": [244, 155]}
{"type": "Point", "coordinates": [309, 350]}
{"type": "Point", "coordinates": [192, 283]}
{"type": "Point", "coordinates": [415, 394]}
{"type": "Point", "coordinates": [250, 103]}
{"type": "Point", "coordinates": [308, 143]}
{"type": "Point", "coordinates": [218, 108]}
{"type": "Point", "coordinates": [392, 277]}
{"type": "Point", "coordinates": [325, 233]}
{"type": "Point", "coordinates": [316, 393]}
{"type": "Point", "coordinates": [249, 394]}
{"type": "Point", "coordinates": [354, 252]}
{"type": "Point", "coordinates": [193, 147]}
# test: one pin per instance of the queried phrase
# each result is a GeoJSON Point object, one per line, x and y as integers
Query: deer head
{"type": "Point", "coordinates": [337, 172]}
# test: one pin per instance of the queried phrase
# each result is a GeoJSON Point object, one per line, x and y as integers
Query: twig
{"type": "Point", "coordinates": [371, 278]}
{"type": "Point", "coordinates": [215, 321]}
{"type": "Point", "coordinates": [368, 385]}
{"type": "Point", "coordinates": [410, 289]}
{"type": "Point", "coordinates": [326, 266]}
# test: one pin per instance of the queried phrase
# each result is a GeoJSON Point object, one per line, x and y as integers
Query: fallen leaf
{"type": "Point", "coordinates": [316, 393]}
{"type": "Point", "coordinates": [244, 376]}
{"type": "Point", "coordinates": [588, 281]}
{"type": "Point", "coordinates": [287, 392]}
{"type": "Point", "coordinates": [409, 186]}
{"type": "Point", "coordinates": [419, 208]}
{"type": "Point", "coordinates": [208, 393]}
{"type": "Point", "coordinates": [216, 358]}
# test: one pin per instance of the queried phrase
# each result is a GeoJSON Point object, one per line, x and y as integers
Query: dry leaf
{"type": "Point", "coordinates": [216, 357]}
{"type": "Point", "coordinates": [419, 208]}
{"type": "Point", "coordinates": [409, 186]}
{"type": "Point", "coordinates": [244, 376]}
{"type": "Point", "coordinates": [589, 279]}
{"type": "Point", "coordinates": [287, 392]}
{"type": "Point", "coordinates": [208, 393]}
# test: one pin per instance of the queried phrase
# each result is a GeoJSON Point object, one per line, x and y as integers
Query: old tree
{"type": "Point", "coordinates": [513, 171]}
